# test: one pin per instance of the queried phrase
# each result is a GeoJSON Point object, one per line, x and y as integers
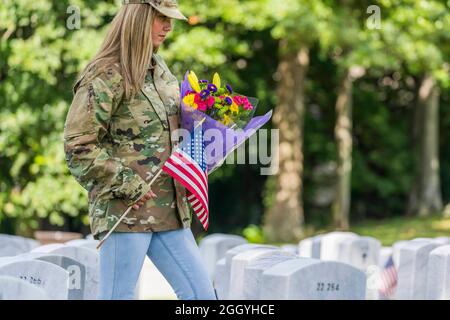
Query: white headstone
{"type": "Point", "coordinates": [17, 289]}
{"type": "Point", "coordinates": [442, 240]}
{"type": "Point", "coordinates": [329, 244]}
{"type": "Point", "coordinates": [439, 241]}
{"type": "Point", "coordinates": [305, 248]}
{"type": "Point", "coordinates": [254, 269]}
{"type": "Point", "coordinates": [396, 251]}
{"type": "Point", "coordinates": [14, 245]}
{"type": "Point", "coordinates": [52, 279]}
{"type": "Point", "coordinates": [312, 279]}
{"type": "Point", "coordinates": [86, 256]}
{"type": "Point", "coordinates": [222, 276]}
{"type": "Point", "coordinates": [360, 252]}
{"type": "Point", "coordinates": [213, 248]}
{"type": "Point", "coordinates": [310, 247]}
{"type": "Point", "coordinates": [76, 270]}
{"type": "Point", "coordinates": [238, 264]}
{"type": "Point", "coordinates": [412, 270]}
{"type": "Point", "coordinates": [244, 247]}
{"type": "Point", "coordinates": [438, 281]}
{"type": "Point", "coordinates": [221, 279]}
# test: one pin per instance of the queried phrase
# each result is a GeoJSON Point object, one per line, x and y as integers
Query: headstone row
{"type": "Point", "coordinates": [255, 271]}
{"type": "Point", "coordinates": [53, 271]}
{"type": "Point", "coordinates": [423, 266]}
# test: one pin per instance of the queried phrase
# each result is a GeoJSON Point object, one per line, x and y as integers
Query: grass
{"type": "Point", "coordinates": [391, 230]}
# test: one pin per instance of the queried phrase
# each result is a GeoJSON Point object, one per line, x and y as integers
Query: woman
{"type": "Point", "coordinates": [117, 135]}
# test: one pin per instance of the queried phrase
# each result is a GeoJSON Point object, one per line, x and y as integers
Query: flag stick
{"type": "Point", "coordinates": [125, 214]}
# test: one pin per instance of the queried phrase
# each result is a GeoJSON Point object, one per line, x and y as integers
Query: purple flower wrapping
{"type": "Point", "coordinates": [221, 140]}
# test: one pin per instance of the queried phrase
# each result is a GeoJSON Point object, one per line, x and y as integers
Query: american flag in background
{"type": "Point", "coordinates": [187, 164]}
{"type": "Point", "coordinates": [388, 280]}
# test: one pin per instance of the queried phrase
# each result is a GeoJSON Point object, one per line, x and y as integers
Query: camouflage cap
{"type": "Point", "coordinates": [168, 8]}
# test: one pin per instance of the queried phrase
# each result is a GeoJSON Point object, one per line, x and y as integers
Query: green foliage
{"type": "Point", "coordinates": [391, 230]}
{"type": "Point", "coordinates": [253, 234]}
{"type": "Point", "coordinates": [39, 60]}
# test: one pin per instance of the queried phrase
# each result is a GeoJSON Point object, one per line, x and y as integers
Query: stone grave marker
{"type": "Point", "coordinates": [238, 264]}
{"type": "Point", "coordinates": [438, 276]}
{"type": "Point", "coordinates": [213, 248]}
{"type": "Point", "coordinates": [330, 242]}
{"type": "Point", "coordinates": [15, 245]}
{"type": "Point", "coordinates": [17, 289]}
{"type": "Point", "coordinates": [312, 279]}
{"type": "Point", "coordinates": [254, 269]}
{"type": "Point", "coordinates": [87, 257]}
{"type": "Point", "coordinates": [52, 279]}
{"type": "Point", "coordinates": [360, 252]}
{"type": "Point", "coordinates": [413, 269]}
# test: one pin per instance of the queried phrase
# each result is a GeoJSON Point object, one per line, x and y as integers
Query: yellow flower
{"type": "Point", "coordinates": [234, 108]}
{"type": "Point", "coordinates": [189, 99]}
{"type": "Point", "coordinates": [193, 81]}
{"type": "Point", "coordinates": [216, 80]}
{"type": "Point", "coordinates": [226, 120]}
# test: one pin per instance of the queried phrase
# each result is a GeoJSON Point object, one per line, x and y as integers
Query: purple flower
{"type": "Point", "coordinates": [203, 81]}
{"type": "Point", "coordinates": [212, 87]}
{"type": "Point", "coordinates": [204, 94]}
{"type": "Point", "coordinates": [228, 101]}
{"type": "Point", "coordinates": [230, 90]}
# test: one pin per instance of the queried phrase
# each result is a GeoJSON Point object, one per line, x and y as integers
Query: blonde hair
{"type": "Point", "coordinates": [128, 43]}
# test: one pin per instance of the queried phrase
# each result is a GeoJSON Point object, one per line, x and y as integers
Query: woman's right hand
{"type": "Point", "coordinates": [145, 198]}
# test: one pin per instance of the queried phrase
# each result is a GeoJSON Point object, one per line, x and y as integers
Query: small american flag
{"type": "Point", "coordinates": [187, 164]}
{"type": "Point", "coordinates": [388, 280]}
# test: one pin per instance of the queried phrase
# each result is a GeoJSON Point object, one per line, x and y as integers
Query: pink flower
{"type": "Point", "coordinates": [242, 101]}
{"type": "Point", "coordinates": [210, 102]}
{"type": "Point", "coordinates": [201, 104]}
{"type": "Point", "coordinates": [238, 100]}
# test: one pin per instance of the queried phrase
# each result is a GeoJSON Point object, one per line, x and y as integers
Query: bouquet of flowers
{"type": "Point", "coordinates": [218, 102]}
{"type": "Point", "coordinates": [218, 107]}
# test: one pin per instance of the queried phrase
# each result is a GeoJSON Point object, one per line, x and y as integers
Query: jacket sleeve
{"type": "Point", "coordinates": [85, 131]}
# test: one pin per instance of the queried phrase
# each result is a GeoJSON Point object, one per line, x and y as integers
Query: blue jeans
{"type": "Point", "coordinates": [175, 253]}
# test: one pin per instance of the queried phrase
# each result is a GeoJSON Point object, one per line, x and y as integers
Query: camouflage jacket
{"type": "Point", "coordinates": [114, 146]}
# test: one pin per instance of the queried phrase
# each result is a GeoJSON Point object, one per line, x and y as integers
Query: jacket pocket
{"type": "Point", "coordinates": [147, 120]}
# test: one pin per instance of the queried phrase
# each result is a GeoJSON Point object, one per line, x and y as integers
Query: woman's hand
{"type": "Point", "coordinates": [145, 198]}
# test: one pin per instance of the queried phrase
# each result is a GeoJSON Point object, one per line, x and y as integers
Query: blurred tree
{"type": "Point", "coordinates": [354, 46]}
{"type": "Point", "coordinates": [297, 25]}
{"type": "Point", "coordinates": [418, 33]}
